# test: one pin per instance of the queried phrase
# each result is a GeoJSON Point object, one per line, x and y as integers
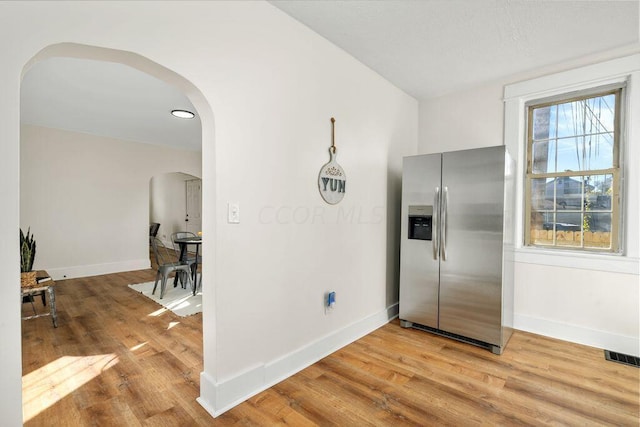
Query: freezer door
{"type": "Point", "coordinates": [471, 268]}
{"type": "Point", "coordinates": [419, 272]}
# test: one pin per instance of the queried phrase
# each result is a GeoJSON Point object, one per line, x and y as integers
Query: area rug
{"type": "Point", "coordinates": [180, 301]}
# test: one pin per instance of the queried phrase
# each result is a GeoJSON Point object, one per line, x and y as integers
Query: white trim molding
{"type": "Point", "coordinates": [584, 261]}
{"type": "Point", "coordinates": [578, 334]}
{"type": "Point", "coordinates": [217, 398]}
{"type": "Point", "coordinates": [621, 70]}
{"type": "Point", "coordinates": [73, 272]}
{"type": "Point", "coordinates": [594, 75]}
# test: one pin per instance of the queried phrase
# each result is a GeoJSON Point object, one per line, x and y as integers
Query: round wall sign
{"type": "Point", "coordinates": [332, 180]}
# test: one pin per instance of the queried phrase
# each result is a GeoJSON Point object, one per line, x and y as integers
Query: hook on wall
{"type": "Point", "coordinates": [332, 180]}
{"type": "Point", "coordinates": [333, 135]}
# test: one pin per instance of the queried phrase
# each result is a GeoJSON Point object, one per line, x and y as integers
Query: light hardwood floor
{"type": "Point", "coordinates": [112, 362]}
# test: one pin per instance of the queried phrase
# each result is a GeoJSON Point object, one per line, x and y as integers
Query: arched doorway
{"type": "Point", "coordinates": [208, 161]}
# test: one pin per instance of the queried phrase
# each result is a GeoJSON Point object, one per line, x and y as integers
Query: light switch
{"type": "Point", "coordinates": [233, 213]}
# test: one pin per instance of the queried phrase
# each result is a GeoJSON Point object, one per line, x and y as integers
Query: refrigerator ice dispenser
{"type": "Point", "coordinates": [420, 222]}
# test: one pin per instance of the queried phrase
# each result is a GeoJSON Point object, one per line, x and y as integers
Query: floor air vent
{"type": "Point", "coordinates": [622, 358]}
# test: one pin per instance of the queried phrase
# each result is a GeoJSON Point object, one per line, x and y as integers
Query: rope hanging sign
{"type": "Point", "coordinates": [332, 180]}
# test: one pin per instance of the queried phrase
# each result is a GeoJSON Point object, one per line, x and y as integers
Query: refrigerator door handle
{"type": "Point", "coordinates": [435, 225]}
{"type": "Point", "coordinates": [443, 228]}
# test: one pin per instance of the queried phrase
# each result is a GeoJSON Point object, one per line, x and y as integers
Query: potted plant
{"type": "Point", "coordinates": [27, 255]}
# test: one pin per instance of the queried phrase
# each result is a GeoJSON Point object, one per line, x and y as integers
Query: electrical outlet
{"type": "Point", "coordinates": [329, 301]}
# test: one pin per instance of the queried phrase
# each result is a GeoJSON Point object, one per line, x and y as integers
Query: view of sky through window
{"type": "Point", "coordinates": [575, 135]}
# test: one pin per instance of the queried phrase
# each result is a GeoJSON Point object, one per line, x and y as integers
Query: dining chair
{"type": "Point", "coordinates": [187, 259]}
{"type": "Point", "coordinates": [153, 231]}
{"type": "Point", "coordinates": [166, 267]}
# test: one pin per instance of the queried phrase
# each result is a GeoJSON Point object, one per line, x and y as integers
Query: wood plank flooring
{"type": "Point", "coordinates": [112, 363]}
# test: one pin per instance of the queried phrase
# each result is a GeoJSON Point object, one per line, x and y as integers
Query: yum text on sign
{"type": "Point", "coordinates": [334, 184]}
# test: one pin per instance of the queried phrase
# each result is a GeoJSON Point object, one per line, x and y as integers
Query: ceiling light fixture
{"type": "Point", "coordinates": [183, 114]}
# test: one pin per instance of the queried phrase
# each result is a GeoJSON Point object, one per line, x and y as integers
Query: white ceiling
{"type": "Point", "coordinates": [432, 47]}
{"type": "Point", "coordinates": [426, 48]}
{"type": "Point", "coordinates": [107, 99]}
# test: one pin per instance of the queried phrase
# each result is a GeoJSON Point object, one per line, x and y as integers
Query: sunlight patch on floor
{"type": "Point", "coordinates": [45, 386]}
{"type": "Point", "coordinates": [178, 304]}
{"type": "Point", "coordinates": [138, 346]}
{"type": "Point", "coordinates": [172, 324]}
{"type": "Point", "coordinates": [158, 312]}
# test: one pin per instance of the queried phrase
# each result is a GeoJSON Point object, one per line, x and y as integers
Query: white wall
{"type": "Point", "coordinates": [462, 120]}
{"type": "Point", "coordinates": [273, 85]}
{"type": "Point", "coordinates": [168, 200]}
{"type": "Point", "coordinates": [593, 300]}
{"type": "Point", "coordinates": [96, 194]}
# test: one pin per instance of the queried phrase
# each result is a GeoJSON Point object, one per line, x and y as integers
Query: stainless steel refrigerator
{"type": "Point", "coordinates": [456, 263]}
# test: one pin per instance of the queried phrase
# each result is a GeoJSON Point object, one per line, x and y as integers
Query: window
{"type": "Point", "coordinates": [572, 198]}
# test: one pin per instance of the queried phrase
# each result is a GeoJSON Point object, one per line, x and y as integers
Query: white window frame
{"type": "Point", "coordinates": [614, 170]}
{"type": "Point", "coordinates": [625, 70]}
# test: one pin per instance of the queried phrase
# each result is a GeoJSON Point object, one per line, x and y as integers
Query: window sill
{"type": "Point", "coordinates": [585, 261]}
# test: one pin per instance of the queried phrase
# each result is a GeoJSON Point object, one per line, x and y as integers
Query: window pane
{"type": "Point", "coordinates": [568, 229]}
{"type": "Point", "coordinates": [539, 198]}
{"type": "Point", "coordinates": [600, 112]}
{"type": "Point", "coordinates": [597, 230]}
{"type": "Point", "coordinates": [542, 228]}
{"type": "Point", "coordinates": [570, 119]}
{"type": "Point", "coordinates": [597, 151]}
{"type": "Point", "coordinates": [569, 192]}
{"type": "Point", "coordinates": [570, 154]}
{"type": "Point", "coordinates": [544, 156]}
{"type": "Point", "coordinates": [568, 221]}
{"type": "Point", "coordinates": [598, 222]}
{"type": "Point", "coordinates": [586, 116]}
{"type": "Point", "coordinates": [598, 192]}
{"type": "Point", "coordinates": [542, 123]}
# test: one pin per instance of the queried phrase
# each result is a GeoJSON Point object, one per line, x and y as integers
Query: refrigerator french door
{"type": "Point", "coordinates": [455, 277]}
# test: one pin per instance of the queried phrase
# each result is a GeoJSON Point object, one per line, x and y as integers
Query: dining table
{"type": "Point", "coordinates": [184, 243]}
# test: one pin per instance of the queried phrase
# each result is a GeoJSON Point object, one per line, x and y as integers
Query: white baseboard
{"type": "Point", "coordinates": [578, 334]}
{"type": "Point", "coordinates": [207, 388]}
{"type": "Point", "coordinates": [73, 272]}
{"type": "Point", "coordinates": [217, 398]}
